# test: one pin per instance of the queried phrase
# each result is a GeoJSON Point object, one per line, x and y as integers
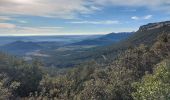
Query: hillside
{"type": "Point", "coordinates": [147, 37]}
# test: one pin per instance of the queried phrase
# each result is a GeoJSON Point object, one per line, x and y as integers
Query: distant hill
{"type": "Point", "coordinates": [20, 47]}
{"type": "Point", "coordinates": [65, 39]}
{"type": "Point", "coordinates": [106, 39]}
{"type": "Point", "coordinates": [49, 43]}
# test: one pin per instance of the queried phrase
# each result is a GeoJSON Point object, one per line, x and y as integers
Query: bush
{"type": "Point", "coordinates": [154, 86]}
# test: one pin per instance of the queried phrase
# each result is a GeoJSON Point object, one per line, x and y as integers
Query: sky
{"type": "Point", "coordinates": [78, 17]}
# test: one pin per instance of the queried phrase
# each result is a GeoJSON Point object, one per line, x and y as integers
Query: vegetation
{"type": "Point", "coordinates": [154, 86]}
{"type": "Point", "coordinates": [140, 73]}
{"type": "Point", "coordinates": [21, 74]}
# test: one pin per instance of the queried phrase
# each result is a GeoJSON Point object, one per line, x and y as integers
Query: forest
{"type": "Point", "coordinates": [139, 71]}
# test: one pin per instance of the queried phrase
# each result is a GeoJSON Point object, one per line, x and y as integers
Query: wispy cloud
{"type": "Point", "coordinates": [151, 4]}
{"type": "Point", "coordinates": [147, 17]}
{"type": "Point", "coordinates": [143, 17]}
{"type": "Point", "coordinates": [51, 27]}
{"type": "Point", "coordinates": [23, 21]}
{"type": "Point", "coordinates": [135, 18]}
{"type": "Point", "coordinates": [5, 18]}
{"type": "Point", "coordinates": [46, 8]}
{"type": "Point", "coordinates": [96, 22]}
{"type": "Point", "coordinates": [70, 8]}
{"type": "Point", "coordinates": [10, 28]}
{"type": "Point", "coordinates": [7, 26]}
{"type": "Point", "coordinates": [8, 18]}
{"type": "Point", "coordinates": [36, 30]}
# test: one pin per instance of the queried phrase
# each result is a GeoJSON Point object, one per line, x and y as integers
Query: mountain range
{"type": "Point", "coordinates": [98, 48]}
{"type": "Point", "coordinates": [106, 39]}
{"type": "Point", "coordinates": [31, 44]}
{"type": "Point", "coordinates": [147, 35]}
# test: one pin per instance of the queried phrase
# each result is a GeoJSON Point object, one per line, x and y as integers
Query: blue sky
{"type": "Point", "coordinates": [78, 17]}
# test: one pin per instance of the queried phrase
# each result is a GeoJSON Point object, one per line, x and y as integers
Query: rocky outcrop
{"type": "Point", "coordinates": [152, 26]}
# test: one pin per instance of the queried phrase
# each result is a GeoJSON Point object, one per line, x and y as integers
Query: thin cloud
{"type": "Point", "coordinates": [51, 27]}
{"type": "Point", "coordinates": [10, 28]}
{"type": "Point", "coordinates": [7, 26]}
{"type": "Point", "coordinates": [135, 18]}
{"type": "Point", "coordinates": [46, 8]}
{"type": "Point", "coordinates": [5, 18]}
{"type": "Point", "coordinates": [23, 21]}
{"type": "Point", "coordinates": [141, 18]}
{"type": "Point", "coordinates": [147, 17]}
{"type": "Point", "coordinates": [96, 22]}
{"type": "Point", "coordinates": [152, 4]}
{"type": "Point", "coordinates": [36, 30]}
{"type": "Point", "coordinates": [70, 8]}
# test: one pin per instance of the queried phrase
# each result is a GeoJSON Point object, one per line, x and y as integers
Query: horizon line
{"type": "Point", "coordinates": [13, 35]}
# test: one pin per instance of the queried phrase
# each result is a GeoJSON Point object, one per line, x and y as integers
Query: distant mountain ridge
{"type": "Point", "coordinates": [151, 26]}
{"type": "Point", "coordinates": [106, 39]}
{"type": "Point", "coordinates": [21, 47]}
{"type": "Point", "coordinates": [66, 39]}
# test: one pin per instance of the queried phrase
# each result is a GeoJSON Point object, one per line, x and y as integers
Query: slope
{"type": "Point", "coordinates": [146, 34]}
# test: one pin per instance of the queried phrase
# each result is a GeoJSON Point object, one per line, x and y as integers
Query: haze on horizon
{"type": "Point", "coordinates": [78, 17]}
